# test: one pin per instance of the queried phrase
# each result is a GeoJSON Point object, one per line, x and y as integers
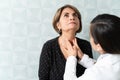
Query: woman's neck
{"type": "Point", "coordinates": [68, 36]}
{"type": "Point", "coordinates": [63, 44]}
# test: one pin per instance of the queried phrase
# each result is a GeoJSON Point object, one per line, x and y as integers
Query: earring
{"type": "Point", "coordinates": [59, 31]}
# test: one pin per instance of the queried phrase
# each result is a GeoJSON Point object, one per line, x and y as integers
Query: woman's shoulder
{"type": "Point", "coordinates": [79, 40]}
{"type": "Point", "coordinates": [51, 41]}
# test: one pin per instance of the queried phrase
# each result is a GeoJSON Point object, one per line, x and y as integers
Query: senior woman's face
{"type": "Point", "coordinates": [69, 20]}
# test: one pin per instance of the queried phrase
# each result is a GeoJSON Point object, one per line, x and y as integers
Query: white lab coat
{"type": "Point", "coordinates": [107, 67]}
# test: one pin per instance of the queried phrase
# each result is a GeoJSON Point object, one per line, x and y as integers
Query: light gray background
{"type": "Point", "coordinates": [26, 24]}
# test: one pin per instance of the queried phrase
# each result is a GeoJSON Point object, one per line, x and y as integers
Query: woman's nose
{"type": "Point", "coordinates": [72, 17]}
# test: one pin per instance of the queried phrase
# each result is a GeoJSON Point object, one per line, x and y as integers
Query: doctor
{"type": "Point", "coordinates": [104, 29]}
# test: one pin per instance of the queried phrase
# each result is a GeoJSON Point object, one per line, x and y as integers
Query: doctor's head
{"type": "Point", "coordinates": [104, 31]}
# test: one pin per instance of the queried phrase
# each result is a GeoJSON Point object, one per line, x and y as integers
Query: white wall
{"type": "Point", "coordinates": [26, 24]}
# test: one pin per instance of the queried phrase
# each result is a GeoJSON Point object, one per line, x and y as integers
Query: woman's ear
{"type": "Point", "coordinates": [58, 24]}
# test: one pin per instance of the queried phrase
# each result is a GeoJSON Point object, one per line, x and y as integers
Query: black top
{"type": "Point", "coordinates": [52, 61]}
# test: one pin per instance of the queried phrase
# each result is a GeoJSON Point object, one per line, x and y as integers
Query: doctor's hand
{"type": "Point", "coordinates": [79, 53]}
{"type": "Point", "coordinates": [70, 49]}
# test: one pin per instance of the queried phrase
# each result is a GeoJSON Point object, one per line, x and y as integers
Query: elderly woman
{"type": "Point", "coordinates": [67, 23]}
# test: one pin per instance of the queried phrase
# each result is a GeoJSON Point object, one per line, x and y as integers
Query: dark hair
{"type": "Point", "coordinates": [105, 30]}
{"type": "Point", "coordinates": [58, 14]}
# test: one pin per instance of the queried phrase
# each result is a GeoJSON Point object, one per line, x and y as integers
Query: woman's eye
{"type": "Point", "coordinates": [75, 14]}
{"type": "Point", "coordinates": [66, 15]}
